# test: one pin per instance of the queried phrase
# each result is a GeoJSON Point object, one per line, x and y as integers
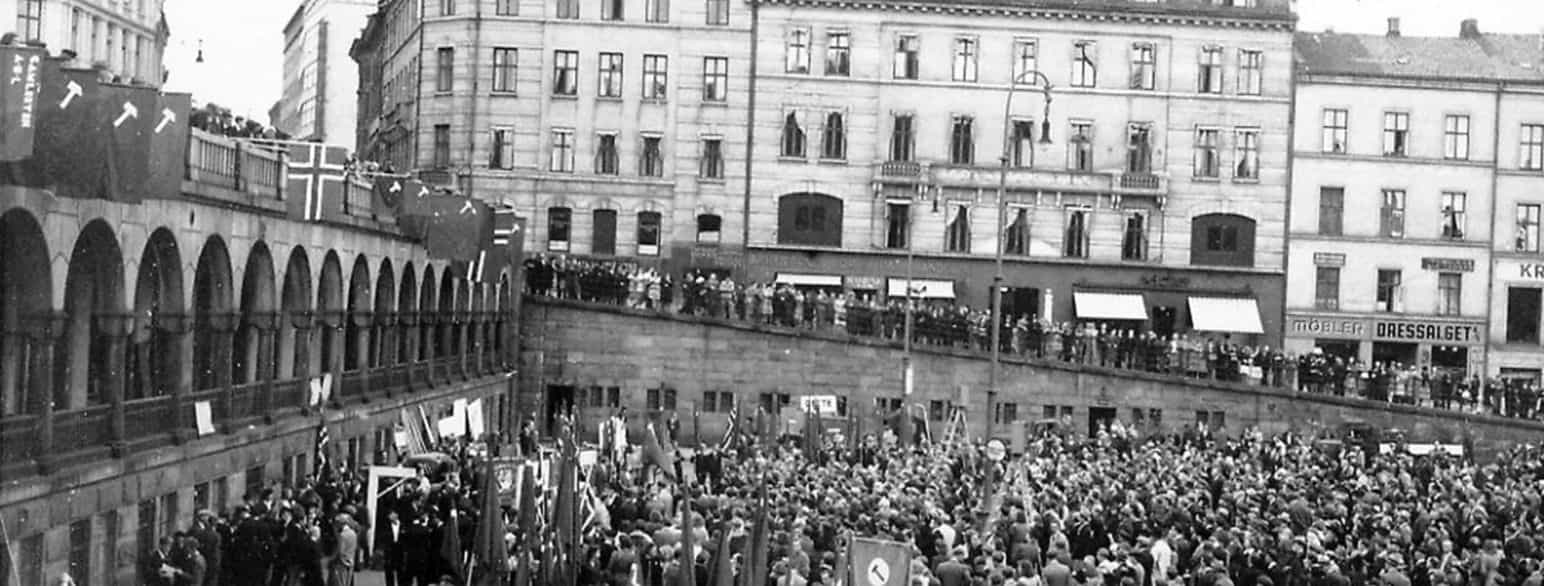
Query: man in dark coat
{"type": "Point", "coordinates": [159, 558]}
{"type": "Point", "coordinates": [190, 567]}
{"type": "Point", "coordinates": [250, 550]}
{"type": "Point", "coordinates": [388, 541]}
{"type": "Point", "coordinates": [209, 545]}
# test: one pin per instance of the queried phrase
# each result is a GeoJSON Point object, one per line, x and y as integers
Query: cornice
{"type": "Point", "coordinates": [1134, 14]}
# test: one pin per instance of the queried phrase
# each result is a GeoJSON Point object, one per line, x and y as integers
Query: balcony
{"type": "Point", "coordinates": [1019, 179]}
{"type": "Point", "coordinates": [900, 172]}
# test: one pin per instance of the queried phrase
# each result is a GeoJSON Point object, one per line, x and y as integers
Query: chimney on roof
{"type": "Point", "coordinates": [1469, 29]}
{"type": "Point", "coordinates": [1393, 26]}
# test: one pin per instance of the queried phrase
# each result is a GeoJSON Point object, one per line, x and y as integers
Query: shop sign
{"type": "Point", "coordinates": [1328, 327]}
{"type": "Point", "coordinates": [1448, 265]}
{"type": "Point", "coordinates": [1416, 331]}
{"type": "Point", "coordinates": [1162, 281]}
{"type": "Point", "coordinates": [872, 283]}
{"type": "Point", "coordinates": [1329, 259]}
{"type": "Point", "coordinates": [1520, 270]}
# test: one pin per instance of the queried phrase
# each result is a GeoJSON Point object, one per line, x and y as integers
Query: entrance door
{"type": "Point", "coordinates": [1163, 320]}
{"type": "Point", "coordinates": [560, 401]}
{"type": "Point", "coordinates": [1019, 301]}
{"type": "Point", "coordinates": [1098, 417]}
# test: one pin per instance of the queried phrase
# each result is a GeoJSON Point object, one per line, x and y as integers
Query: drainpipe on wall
{"type": "Point", "coordinates": [471, 115]}
{"type": "Point", "coordinates": [418, 92]}
{"type": "Point", "coordinates": [1286, 232]}
{"type": "Point", "coordinates": [1490, 251]}
{"type": "Point", "coordinates": [750, 146]}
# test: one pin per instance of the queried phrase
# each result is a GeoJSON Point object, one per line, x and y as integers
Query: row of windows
{"type": "Point", "coordinates": [1389, 291]}
{"type": "Point", "coordinates": [1025, 61]}
{"type": "Point", "coordinates": [1335, 132]}
{"type": "Point", "coordinates": [603, 232]}
{"type": "Point", "coordinates": [612, 10]}
{"type": "Point", "coordinates": [609, 69]}
{"type": "Point", "coordinates": [98, 40]}
{"type": "Point", "coordinates": [1454, 206]}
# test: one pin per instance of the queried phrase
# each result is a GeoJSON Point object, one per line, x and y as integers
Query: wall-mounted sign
{"type": "Point", "coordinates": [1448, 265]}
{"type": "Point", "coordinates": [1519, 270]}
{"type": "Point", "coordinates": [1162, 281]}
{"type": "Point", "coordinates": [867, 282]}
{"type": "Point", "coordinates": [1418, 331]}
{"type": "Point", "coordinates": [1329, 259]}
{"type": "Point", "coordinates": [1329, 327]}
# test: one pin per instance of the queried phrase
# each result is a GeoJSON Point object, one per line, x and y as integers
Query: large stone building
{"type": "Point", "coordinates": [125, 38]}
{"type": "Point", "coordinates": [1406, 179]}
{"type": "Point", "coordinates": [318, 99]}
{"type": "Point", "coordinates": [872, 131]}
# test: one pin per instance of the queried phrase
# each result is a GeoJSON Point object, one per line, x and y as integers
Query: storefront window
{"type": "Point", "coordinates": [1522, 314]}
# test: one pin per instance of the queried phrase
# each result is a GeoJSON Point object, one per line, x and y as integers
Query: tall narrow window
{"type": "Point", "coordinates": [503, 150]}
{"type": "Point", "coordinates": [1522, 314]}
{"type": "Point", "coordinates": [1133, 244]}
{"type": "Point", "coordinates": [507, 8]}
{"type": "Point", "coordinates": [1326, 288]}
{"type": "Point", "coordinates": [655, 77]}
{"type": "Point", "coordinates": [965, 59]}
{"type": "Point", "coordinates": [1207, 158]}
{"type": "Point", "coordinates": [1334, 131]}
{"type": "Point", "coordinates": [648, 233]}
{"type": "Point", "coordinates": [962, 141]}
{"type": "Point", "coordinates": [606, 157]}
{"type": "Point", "coordinates": [709, 228]}
{"type": "Point", "coordinates": [1389, 291]}
{"type": "Point", "coordinates": [558, 221]}
{"type": "Point", "coordinates": [1450, 293]}
{"type": "Point", "coordinates": [1026, 58]}
{"type": "Point", "coordinates": [1016, 237]}
{"type": "Point", "coordinates": [611, 9]}
{"type": "Point", "coordinates": [29, 20]}
{"type": "Point", "coordinates": [1396, 134]}
{"type": "Point", "coordinates": [1332, 203]}
{"type": "Point", "coordinates": [80, 551]}
{"type": "Point", "coordinates": [712, 164]}
{"type": "Point", "coordinates": [609, 72]}
{"type": "Point", "coordinates": [907, 48]}
{"type": "Point", "coordinates": [1144, 66]}
{"type": "Point", "coordinates": [1209, 71]}
{"type": "Point", "coordinates": [651, 161]}
{"type": "Point", "coordinates": [793, 136]}
{"type": "Point", "coordinates": [445, 69]}
{"type": "Point", "coordinates": [562, 160]}
{"type": "Point", "coordinates": [1251, 72]}
{"type": "Point", "coordinates": [897, 225]}
{"type": "Point", "coordinates": [796, 54]}
{"type": "Point", "coordinates": [1455, 215]}
{"type": "Point", "coordinates": [1022, 147]}
{"type": "Point", "coordinates": [1085, 64]}
{"type": "Point", "coordinates": [1075, 234]}
{"type": "Point", "coordinates": [656, 10]}
{"type": "Point", "coordinates": [902, 138]}
{"type": "Point", "coordinates": [565, 73]}
{"type": "Point", "coordinates": [1528, 227]}
{"type": "Point", "coordinates": [1531, 157]}
{"type": "Point", "coordinates": [1455, 137]}
{"type": "Point", "coordinates": [442, 145]}
{"type": "Point", "coordinates": [715, 79]}
{"type": "Point", "coordinates": [1246, 154]}
{"type": "Point", "coordinates": [957, 232]}
{"type": "Point", "coordinates": [568, 9]}
{"type": "Point", "coordinates": [1139, 147]}
{"type": "Point", "coordinates": [838, 53]}
{"type": "Point", "coordinates": [718, 12]}
{"type": "Point", "coordinates": [603, 232]}
{"type": "Point", "coordinates": [506, 64]}
{"type": "Point", "coordinates": [1080, 147]}
{"type": "Point", "coordinates": [1392, 214]}
{"type": "Point", "coordinates": [833, 138]}
{"type": "Point", "coordinates": [447, 7]}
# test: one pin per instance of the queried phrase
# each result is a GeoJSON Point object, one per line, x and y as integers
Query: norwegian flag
{"type": "Point", "coordinates": [732, 430]}
{"type": "Point", "coordinates": [323, 466]}
{"type": "Point", "coordinates": [314, 186]}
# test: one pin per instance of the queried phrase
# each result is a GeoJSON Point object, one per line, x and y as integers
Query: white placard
{"type": "Point", "coordinates": [203, 416]}
{"type": "Point", "coordinates": [823, 404]}
{"type": "Point", "coordinates": [458, 412]}
{"type": "Point", "coordinates": [474, 418]}
{"type": "Point", "coordinates": [450, 427]}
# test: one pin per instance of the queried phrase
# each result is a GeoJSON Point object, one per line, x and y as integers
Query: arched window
{"type": "Point", "coordinates": [793, 136]}
{"type": "Point", "coordinates": [1222, 240]}
{"type": "Point", "coordinates": [810, 219]}
{"type": "Point", "coordinates": [833, 139]}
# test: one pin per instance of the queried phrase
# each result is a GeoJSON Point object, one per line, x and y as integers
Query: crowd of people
{"type": "Point", "coordinates": [945, 324]}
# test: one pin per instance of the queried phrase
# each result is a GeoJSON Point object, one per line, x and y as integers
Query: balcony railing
{"type": "Point", "coordinates": [900, 169]}
{"type": "Point", "coordinates": [235, 165]}
{"type": "Point", "coordinates": [1140, 182]}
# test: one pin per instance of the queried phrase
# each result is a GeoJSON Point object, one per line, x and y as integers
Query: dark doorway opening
{"type": "Point", "coordinates": [1019, 301]}
{"type": "Point", "coordinates": [1346, 350]}
{"type": "Point", "coordinates": [1164, 317]}
{"type": "Point", "coordinates": [1098, 418]}
{"type": "Point", "coordinates": [560, 401]}
{"type": "Point", "coordinates": [1394, 353]}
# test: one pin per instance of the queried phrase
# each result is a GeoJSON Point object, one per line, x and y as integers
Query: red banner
{"type": "Point", "coordinates": [19, 100]}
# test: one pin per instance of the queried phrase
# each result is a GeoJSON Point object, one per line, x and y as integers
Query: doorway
{"type": "Point", "coordinates": [560, 401]}
{"type": "Point", "coordinates": [1098, 417]}
{"type": "Point", "coordinates": [1163, 320]}
{"type": "Point", "coordinates": [1019, 301]}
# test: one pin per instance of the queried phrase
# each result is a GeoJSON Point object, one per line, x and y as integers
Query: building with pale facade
{"type": "Point", "coordinates": [318, 99]}
{"type": "Point", "coordinates": [1405, 181]}
{"type": "Point", "coordinates": [125, 38]}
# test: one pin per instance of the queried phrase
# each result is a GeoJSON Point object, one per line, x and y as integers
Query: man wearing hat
{"type": "Point", "coordinates": [341, 573]}
{"type": "Point", "coordinates": [203, 531]}
{"type": "Point", "coordinates": [954, 572]}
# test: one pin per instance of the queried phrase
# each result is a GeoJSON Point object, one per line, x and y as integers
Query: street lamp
{"type": "Point", "coordinates": [1032, 77]}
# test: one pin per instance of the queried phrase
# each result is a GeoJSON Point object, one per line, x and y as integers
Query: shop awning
{"type": "Point", "coordinates": [922, 289]}
{"type": "Point", "coordinates": [1239, 315]}
{"type": "Point", "coordinates": [1120, 306]}
{"type": "Point", "coordinates": [803, 280]}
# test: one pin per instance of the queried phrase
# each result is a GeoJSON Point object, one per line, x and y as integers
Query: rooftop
{"type": "Point", "coordinates": [1472, 55]}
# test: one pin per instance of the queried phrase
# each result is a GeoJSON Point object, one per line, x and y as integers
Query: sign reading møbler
{"type": "Point", "coordinates": [1419, 331]}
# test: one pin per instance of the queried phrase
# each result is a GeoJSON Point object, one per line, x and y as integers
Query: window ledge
{"type": "Point", "coordinates": [1200, 179]}
{"type": "Point", "coordinates": [444, 93]}
{"type": "Point", "coordinates": [834, 162]}
{"type": "Point", "coordinates": [839, 75]}
{"type": "Point", "coordinates": [712, 180]}
{"type": "Point", "coordinates": [657, 101]}
{"type": "Point", "coordinates": [724, 103]}
{"type": "Point", "coordinates": [792, 159]}
{"type": "Point", "coordinates": [566, 97]}
{"type": "Point", "coordinates": [504, 94]}
{"type": "Point", "coordinates": [1247, 180]}
{"type": "Point", "coordinates": [617, 99]}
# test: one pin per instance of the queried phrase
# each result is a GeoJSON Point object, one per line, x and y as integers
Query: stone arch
{"type": "Point", "coordinates": [809, 218]}
{"type": "Point", "coordinates": [26, 290]}
{"type": "Point", "coordinates": [257, 303]}
{"type": "Point", "coordinates": [407, 305]}
{"type": "Point", "coordinates": [356, 337]}
{"type": "Point", "coordinates": [211, 308]}
{"type": "Point", "coordinates": [293, 343]}
{"type": "Point", "coordinates": [449, 303]}
{"type": "Point", "coordinates": [156, 357]}
{"type": "Point", "coordinates": [329, 306]}
{"type": "Point", "coordinates": [382, 345]}
{"type": "Point", "coordinates": [427, 309]}
{"type": "Point", "coordinates": [93, 296]}
{"type": "Point", "coordinates": [501, 317]}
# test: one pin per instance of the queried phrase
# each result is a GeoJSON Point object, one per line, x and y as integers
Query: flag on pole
{"type": "Point", "coordinates": [19, 100]}
{"type": "Point", "coordinates": [654, 453]}
{"type": "Point", "coordinates": [492, 557]}
{"type": "Point", "coordinates": [723, 559]}
{"type": "Point", "coordinates": [128, 116]}
{"type": "Point", "coordinates": [323, 466]}
{"type": "Point", "coordinates": [169, 145]}
{"type": "Point", "coordinates": [8, 569]}
{"type": "Point", "coordinates": [759, 550]}
{"type": "Point", "coordinates": [68, 150]}
{"type": "Point", "coordinates": [314, 186]}
{"type": "Point", "coordinates": [732, 429]}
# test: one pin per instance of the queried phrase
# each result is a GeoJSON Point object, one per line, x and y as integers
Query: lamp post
{"type": "Point", "coordinates": [1033, 77]}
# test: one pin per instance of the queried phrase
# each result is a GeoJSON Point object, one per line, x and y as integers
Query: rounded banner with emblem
{"type": "Point", "coordinates": [877, 562]}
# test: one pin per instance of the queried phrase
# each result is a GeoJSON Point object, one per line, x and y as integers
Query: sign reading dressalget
{"type": "Point", "coordinates": [1389, 330]}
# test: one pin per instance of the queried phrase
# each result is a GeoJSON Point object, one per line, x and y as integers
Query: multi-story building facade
{"type": "Point", "coordinates": [1517, 277]}
{"type": "Point", "coordinates": [125, 38]}
{"type": "Point", "coordinates": [1400, 147]}
{"type": "Point", "coordinates": [318, 100]}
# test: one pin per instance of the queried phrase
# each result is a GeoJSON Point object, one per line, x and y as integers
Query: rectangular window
{"type": "Point", "coordinates": [112, 533]}
{"type": "Point", "coordinates": [1221, 238]}
{"type": "Point", "coordinates": [1139, 148]}
{"type": "Point", "coordinates": [796, 54]}
{"type": "Point", "coordinates": [1389, 293]}
{"type": "Point", "coordinates": [966, 55]}
{"type": "Point", "coordinates": [1209, 71]}
{"type": "Point", "coordinates": [503, 149]}
{"type": "Point", "coordinates": [1016, 237]}
{"type": "Point", "coordinates": [1450, 289]}
{"type": "Point", "coordinates": [962, 141]}
{"type": "Point", "coordinates": [565, 73]}
{"type": "Point", "coordinates": [1085, 64]}
{"type": "Point", "coordinates": [603, 232]}
{"type": "Point", "coordinates": [1455, 206]}
{"type": "Point", "coordinates": [655, 77]}
{"type": "Point", "coordinates": [80, 551]}
{"type": "Point", "coordinates": [568, 9]}
{"type": "Point", "coordinates": [1455, 137]}
{"type": "Point", "coordinates": [445, 69]}
{"type": "Point", "coordinates": [1007, 413]}
{"type": "Point", "coordinates": [562, 151]}
{"type": "Point", "coordinates": [559, 222]}
{"type": "Point", "coordinates": [171, 513]}
{"type": "Point", "coordinates": [442, 145]}
{"type": "Point", "coordinates": [1022, 143]}
{"type": "Point", "coordinates": [1026, 58]}
{"type": "Point", "coordinates": [656, 11]}
{"type": "Point", "coordinates": [1396, 134]}
{"type": "Point", "coordinates": [1332, 205]}
{"type": "Point", "coordinates": [1080, 147]}
{"type": "Point", "coordinates": [838, 53]}
{"type": "Point", "coordinates": [611, 9]}
{"type": "Point", "coordinates": [145, 530]}
{"type": "Point", "coordinates": [29, 20]}
{"type": "Point", "coordinates": [906, 64]}
{"type": "Point", "coordinates": [715, 79]}
{"type": "Point", "coordinates": [1326, 288]}
{"type": "Point", "coordinates": [710, 228]}
{"type": "Point", "coordinates": [651, 162]}
{"type": "Point", "coordinates": [1144, 66]}
{"type": "Point", "coordinates": [200, 496]}
{"type": "Point", "coordinates": [792, 142]}
{"type": "Point", "coordinates": [1333, 139]}
{"type": "Point", "coordinates": [1246, 154]}
{"type": "Point", "coordinates": [506, 63]}
{"type": "Point", "coordinates": [660, 399]}
{"type": "Point", "coordinates": [607, 161]}
{"type": "Point", "coordinates": [1208, 162]}
{"type": "Point", "coordinates": [957, 231]}
{"type": "Point", "coordinates": [1528, 227]}
{"type": "Point", "coordinates": [1075, 241]}
{"type": "Point", "coordinates": [1522, 314]}
{"type": "Point", "coordinates": [1133, 242]}
{"type": "Point", "coordinates": [507, 7]}
{"type": "Point", "coordinates": [718, 12]}
{"type": "Point", "coordinates": [712, 164]}
{"type": "Point", "coordinates": [447, 7]}
{"type": "Point", "coordinates": [1251, 72]}
{"type": "Point", "coordinates": [1532, 142]}
{"type": "Point", "coordinates": [609, 72]}
{"type": "Point", "coordinates": [897, 225]}
{"type": "Point", "coordinates": [648, 233]}
{"type": "Point", "coordinates": [833, 137]}
{"type": "Point", "coordinates": [903, 137]}
{"type": "Point", "coordinates": [1391, 217]}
